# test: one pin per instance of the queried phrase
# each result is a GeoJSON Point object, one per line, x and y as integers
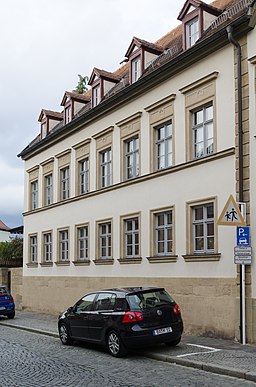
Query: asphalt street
{"type": "Point", "coordinates": [31, 359]}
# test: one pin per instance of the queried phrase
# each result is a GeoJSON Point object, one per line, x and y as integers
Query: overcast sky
{"type": "Point", "coordinates": [44, 44]}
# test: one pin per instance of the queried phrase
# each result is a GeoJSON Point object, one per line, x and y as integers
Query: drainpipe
{"type": "Point", "coordinates": [240, 170]}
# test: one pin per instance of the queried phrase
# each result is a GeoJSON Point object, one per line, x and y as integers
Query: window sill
{"type": "Point", "coordinates": [46, 264]}
{"type": "Point", "coordinates": [162, 259]}
{"type": "Point", "coordinates": [104, 261]}
{"type": "Point", "coordinates": [130, 260]}
{"type": "Point", "coordinates": [32, 264]}
{"type": "Point", "coordinates": [86, 262]}
{"type": "Point", "coordinates": [202, 257]}
{"type": "Point", "coordinates": [64, 263]}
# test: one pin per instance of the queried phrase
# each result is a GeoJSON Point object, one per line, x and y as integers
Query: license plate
{"type": "Point", "coordinates": [2, 307]}
{"type": "Point", "coordinates": [157, 332]}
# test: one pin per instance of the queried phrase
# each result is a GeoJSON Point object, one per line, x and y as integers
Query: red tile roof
{"type": "Point", "coordinates": [3, 226]}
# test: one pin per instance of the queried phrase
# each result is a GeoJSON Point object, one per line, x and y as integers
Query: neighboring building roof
{"type": "Point", "coordinates": [76, 96]}
{"type": "Point", "coordinates": [151, 47]}
{"type": "Point", "coordinates": [51, 114]}
{"type": "Point", "coordinates": [104, 74]}
{"type": "Point", "coordinates": [3, 226]}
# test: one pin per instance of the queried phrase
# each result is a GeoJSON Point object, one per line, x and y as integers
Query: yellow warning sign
{"type": "Point", "coordinates": [231, 215]}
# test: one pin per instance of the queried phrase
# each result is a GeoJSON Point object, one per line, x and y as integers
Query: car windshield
{"type": "Point", "coordinates": [149, 299]}
{"type": "Point", "coordinates": [3, 291]}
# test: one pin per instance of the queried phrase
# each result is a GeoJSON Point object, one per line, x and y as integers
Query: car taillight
{"type": "Point", "coordinates": [11, 299]}
{"type": "Point", "coordinates": [176, 309]}
{"type": "Point", "coordinates": [131, 317]}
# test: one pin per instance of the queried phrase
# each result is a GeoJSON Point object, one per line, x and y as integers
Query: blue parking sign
{"type": "Point", "coordinates": [243, 236]}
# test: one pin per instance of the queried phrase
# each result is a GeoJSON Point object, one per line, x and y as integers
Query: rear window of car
{"type": "Point", "coordinates": [3, 291]}
{"type": "Point", "coordinates": [148, 299]}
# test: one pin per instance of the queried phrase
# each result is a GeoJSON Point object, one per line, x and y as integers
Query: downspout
{"type": "Point", "coordinates": [240, 151]}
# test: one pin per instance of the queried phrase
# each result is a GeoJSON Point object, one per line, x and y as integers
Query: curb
{"type": "Point", "coordinates": [216, 369]}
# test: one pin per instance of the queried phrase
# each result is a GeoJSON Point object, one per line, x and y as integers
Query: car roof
{"type": "Point", "coordinates": [133, 289]}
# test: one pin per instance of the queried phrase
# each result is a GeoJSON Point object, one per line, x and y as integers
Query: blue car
{"type": "Point", "coordinates": [7, 306]}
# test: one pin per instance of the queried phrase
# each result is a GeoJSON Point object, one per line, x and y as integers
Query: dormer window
{"type": "Point", "coordinates": [96, 97]}
{"type": "Point", "coordinates": [43, 130]}
{"type": "Point", "coordinates": [67, 114]}
{"type": "Point", "coordinates": [136, 68]}
{"type": "Point", "coordinates": [192, 32]}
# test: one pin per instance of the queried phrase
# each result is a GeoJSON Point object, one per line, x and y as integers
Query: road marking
{"type": "Point", "coordinates": [209, 350]}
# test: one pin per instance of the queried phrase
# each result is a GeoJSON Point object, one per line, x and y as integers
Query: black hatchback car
{"type": "Point", "coordinates": [121, 319]}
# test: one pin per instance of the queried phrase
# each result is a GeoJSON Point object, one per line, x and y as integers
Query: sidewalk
{"type": "Point", "coordinates": [219, 356]}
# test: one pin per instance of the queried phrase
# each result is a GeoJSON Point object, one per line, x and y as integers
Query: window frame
{"type": "Point", "coordinates": [63, 243]}
{"type": "Point", "coordinates": [46, 245]}
{"type": "Point", "coordinates": [99, 238]}
{"type": "Point", "coordinates": [85, 239]}
{"type": "Point", "coordinates": [83, 175]}
{"type": "Point", "coordinates": [165, 141]}
{"type": "Point", "coordinates": [34, 194]}
{"type": "Point", "coordinates": [33, 248]}
{"type": "Point", "coordinates": [136, 68]}
{"type": "Point", "coordinates": [189, 35]}
{"type": "Point", "coordinates": [65, 183]}
{"type": "Point", "coordinates": [134, 154]}
{"type": "Point", "coordinates": [96, 94]}
{"type": "Point", "coordinates": [68, 113]}
{"type": "Point", "coordinates": [133, 233]}
{"type": "Point", "coordinates": [48, 189]}
{"type": "Point", "coordinates": [124, 257]}
{"type": "Point", "coordinates": [203, 125]}
{"type": "Point", "coordinates": [105, 179]}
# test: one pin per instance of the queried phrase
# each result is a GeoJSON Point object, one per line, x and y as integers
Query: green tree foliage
{"type": "Point", "coordinates": [82, 85]}
{"type": "Point", "coordinates": [12, 249]}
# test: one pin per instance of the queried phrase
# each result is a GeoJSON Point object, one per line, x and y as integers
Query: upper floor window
{"type": "Point", "coordinates": [136, 68]}
{"type": "Point", "coordinates": [82, 243]}
{"type": "Point", "coordinates": [48, 190]}
{"type": "Point", "coordinates": [132, 158]}
{"type": "Point", "coordinates": [105, 168]}
{"type": "Point", "coordinates": [203, 228]}
{"type": "Point", "coordinates": [202, 131]}
{"type": "Point", "coordinates": [34, 195]}
{"type": "Point", "coordinates": [83, 176]}
{"type": "Point", "coordinates": [163, 141]}
{"type": "Point", "coordinates": [47, 247]}
{"type": "Point", "coordinates": [96, 95]}
{"type": "Point", "coordinates": [164, 233]}
{"type": "Point", "coordinates": [192, 32]}
{"type": "Point", "coordinates": [105, 241]}
{"type": "Point", "coordinates": [67, 114]}
{"type": "Point", "coordinates": [64, 183]}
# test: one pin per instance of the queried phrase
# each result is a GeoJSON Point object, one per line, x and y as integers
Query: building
{"type": "Point", "coordinates": [4, 232]}
{"type": "Point", "coordinates": [125, 186]}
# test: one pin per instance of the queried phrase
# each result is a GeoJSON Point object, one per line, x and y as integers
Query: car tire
{"type": "Point", "coordinates": [11, 315]}
{"type": "Point", "coordinates": [115, 345]}
{"type": "Point", "coordinates": [173, 343]}
{"type": "Point", "coordinates": [64, 334]}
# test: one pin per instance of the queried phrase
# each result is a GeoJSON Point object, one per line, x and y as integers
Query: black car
{"type": "Point", "coordinates": [121, 319]}
{"type": "Point", "coordinates": [7, 306]}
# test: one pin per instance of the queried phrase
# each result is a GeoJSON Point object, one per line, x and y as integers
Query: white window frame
{"type": "Point", "coordinates": [205, 221]}
{"type": "Point", "coordinates": [166, 142]}
{"type": "Point", "coordinates": [165, 228]}
{"type": "Point", "coordinates": [105, 168]}
{"type": "Point", "coordinates": [34, 195]}
{"type": "Point", "coordinates": [67, 114]}
{"type": "Point", "coordinates": [132, 161]}
{"type": "Point", "coordinates": [43, 130]}
{"type": "Point", "coordinates": [33, 248]}
{"type": "Point", "coordinates": [203, 126]}
{"type": "Point", "coordinates": [82, 243]}
{"type": "Point", "coordinates": [48, 189]}
{"type": "Point", "coordinates": [96, 95]}
{"type": "Point", "coordinates": [83, 176]}
{"type": "Point", "coordinates": [136, 68]}
{"type": "Point", "coordinates": [107, 238]}
{"type": "Point", "coordinates": [132, 234]}
{"type": "Point", "coordinates": [47, 247]}
{"type": "Point", "coordinates": [64, 183]}
{"type": "Point", "coordinates": [192, 36]}
{"type": "Point", "coordinates": [63, 245]}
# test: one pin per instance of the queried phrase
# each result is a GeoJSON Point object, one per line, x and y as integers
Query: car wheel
{"type": "Point", "coordinates": [11, 315]}
{"type": "Point", "coordinates": [115, 344]}
{"type": "Point", "coordinates": [173, 343]}
{"type": "Point", "coordinates": [64, 335]}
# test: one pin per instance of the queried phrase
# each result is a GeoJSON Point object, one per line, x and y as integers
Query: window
{"type": "Point", "coordinates": [163, 141]}
{"type": "Point", "coordinates": [136, 69]}
{"type": "Point", "coordinates": [203, 228]}
{"type": "Point", "coordinates": [63, 246]}
{"type": "Point", "coordinates": [105, 301]}
{"type": "Point", "coordinates": [34, 195]}
{"type": "Point", "coordinates": [64, 183]}
{"type": "Point", "coordinates": [83, 176]}
{"type": "Point", "coordinates": [192, 32]}
{"type": "Point", "coordinates": [105, 168]}
{"type": "Point", "coordinates": [131, 235]}
{"type": "Point", "coordinates": [202, 131]}
{"type": "Point", "coordinates": [85, 304]}
{"type": "Point", "coordinates": [48, 190]}
{"type": "Point", "coordinates": [163, 233]}
{"type": "Point", "coordinates": [82, 243]}
{"type": "Point", "coordinates": [132, 158]}
{"type": "Point", "coordinates": [67, 114]}
{"type": "Point", "coordinates": [33, 248]}
{"type": "Point", "coordinates": [105, 241]}
{"type": "Point", "coordinates": [43, 130]}
{"type": "Point", "coordinates": [47, 247]}
{"type": "Point", "coordinates": [96, 95]}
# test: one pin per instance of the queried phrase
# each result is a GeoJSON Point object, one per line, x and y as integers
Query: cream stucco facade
{"type": "Point", "coordinates": [205, 285]}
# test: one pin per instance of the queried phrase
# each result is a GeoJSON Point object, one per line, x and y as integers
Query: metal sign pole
{"type": "Point", "coordinates": [243, 339]}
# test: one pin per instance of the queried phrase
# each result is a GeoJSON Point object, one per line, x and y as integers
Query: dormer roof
{"type": "Point", "coordinates": [3, 226]}
{"type": "Point", "coordinates": [76, 97]}
{"type": "Point", "coordinates": [148, 46]}
{"type": "Point", "coordinates": [98, 73]}
{"type": "Point", "coordinates": [198, 4]}
{"type": "Point", "coordinates": [51, 114]}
